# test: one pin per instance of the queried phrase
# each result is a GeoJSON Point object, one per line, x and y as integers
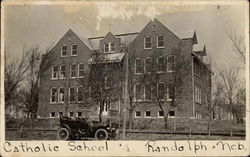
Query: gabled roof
{"type": "Point", "coordinates": [85, 41]}
{"type": "Point", "coordinates": [199, 49]}
{"type": "Point", "coordinates": [187, 34]}
{"type": "Point", "coordinates": [125, 39]}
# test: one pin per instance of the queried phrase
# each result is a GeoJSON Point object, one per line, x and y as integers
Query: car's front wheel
{"type": "Point", "coordinates": [101, 134]}
{"type": "Point", "coordinates": [63, 134]}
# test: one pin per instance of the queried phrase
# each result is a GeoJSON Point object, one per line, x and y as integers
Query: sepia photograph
{"type": "Point", "coordinates": [110, 71]}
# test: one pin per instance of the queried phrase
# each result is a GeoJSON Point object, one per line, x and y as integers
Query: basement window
{"type": "Point", "coordinates": [171, 114]}
{"type": "Point", "coordinates": [52, 114]}
{"type": "Point", "coordinates": [147, 114]}
{"type": "Point", "coordinates": [137, 114]}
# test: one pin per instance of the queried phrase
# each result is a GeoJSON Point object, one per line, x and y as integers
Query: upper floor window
{"type": "Point", "coordinates": [62, 71]}
{"type": "Point", "coordinates": [74, 50]}
{"type": "Point", "coordinates": [53, 94]}
{"type": "Point", "coordinates": [80, 70]}
{"type": "Point", "coordinates": [197, 69]}
{"type": "Point", "coordinates": [160, 41]}
{"type": "Point", "coordinates": [80, 94]}
{"type": "Point", "coordinates": [55, 72]}
{"type": "Point", "coordinates": [61, 95]}
{"type": "Point", "coordinates": [147, 42]}
{"type": "Point", "coordinates": [170, 63]}
{"type": "Point", "coordinates": [109, 47]}
{"type": "Point", "coordinates": [148, 65]}
{"type": "Point", "coordinates": [138, 65]}
{"type": "Point", "coordinates": [72, 70]}
{"type": "Point", "coordinates": [170, 91]}
{"type": "Point", "coordinates": [148, 91]}
{"type": "Point", "coordinates": [71, 94]}
{"type": "Point", "coordinates": [160, 64]}
{"type": "Point", "coordinates": [138, 92]}
{"type": "Point", "coordinates": [197, 93]}
{"type": "Point", "coordinates": [160, 91]}
{"type": "Point", "coordinates": [64, 51]}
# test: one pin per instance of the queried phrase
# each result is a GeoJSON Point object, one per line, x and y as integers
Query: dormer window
{"type": "Point", "coordinates": [109, 47]}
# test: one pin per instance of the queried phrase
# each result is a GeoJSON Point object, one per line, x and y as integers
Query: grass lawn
{"type": "Point", "coordinates": [52, 135]}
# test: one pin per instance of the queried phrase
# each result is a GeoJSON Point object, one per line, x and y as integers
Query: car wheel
{"type": "Point", "coordinates": [101, 134]}
{"type": "Point", "coordinates": [63, 134]}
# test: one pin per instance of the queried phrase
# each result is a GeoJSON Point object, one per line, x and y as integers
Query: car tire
{"type": "Point", "coordinates": [101, 134]}
{"type": "Point", "coordinates": [63, 134]}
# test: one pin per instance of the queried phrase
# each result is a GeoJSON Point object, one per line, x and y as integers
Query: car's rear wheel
{"type": "Point", "coordinates": [63, 134]}
{"type": "Point", "coordinates": [101, 134]}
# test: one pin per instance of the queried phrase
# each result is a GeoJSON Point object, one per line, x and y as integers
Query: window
{"type": "Point", "coordinates": [137, 114]}
{"type": "Point", "coordinates": [71, 114]}
{"type": "Point", "coordinates": [53, 94]}
{"type": "Point", "coordinates": [71, 94]}
{"type": "Point", "coordinates": [147, 114]}
{"type": "Point", "coordinates": [160, 114]}
{"type": "Point", "coordinates": [148, 90]}
{"type": "Point", "coordinates": [160, 41]}
{"type": "Point", "coordinates": [170, 91]}
{"type": "Point", "coordinates": [197, 93]}
{"type": "Point", "coordinates": [138, 92]}
{"type": "Point", "coordinates": [138, 66]}
{"type": "Point", "coordinates": [172, 114]}
{"type": "Point", "coordinates": [55, 72]}
{"type": "Point", "coordinates": [197, 69]}
{"type": "Point", "coordinates": [147, 42]}
{"type": "Point", "coordinates": [160, 64]}
{"type": "Point", "coordinates": [62, 71]}
{"type": "Point", "coordinates": [148, 65]}
{"type": "Point", "coordinates": [52, 114]}
{"type": "Point", "coordinates": [61, 95]}
{"type": "Point", "coordinates": [109, 47]}
{"type": "Point", "coordinates": [79, 114]}
{"type": "Point", "coordinates": [170, 63]}
{"type": "Point", "coordinates": [64, 51]}
{"type": "Point", "coordinates": [160, 91]}
{"type": "Point", "coordinates": [80, 70]}
{"type": "Point", "coordinates": [80, 94]}
{"type": "Point", "coordinates": [60, 114]}
{"type": "Point", "coordinates": [74, 50]}
{"type": "Point", "coordinates": [72, 70]}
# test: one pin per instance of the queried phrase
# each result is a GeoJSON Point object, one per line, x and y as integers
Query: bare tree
{"type": "Point", "coordinates": [230, 79]}
{"type": "Point", "coordinates": [14, 74]}
{"type": "Point", "coordinates": [37, 64]}
{"type": "Point", "coordinates": [238, 45]}
{"type": "Point", "coordinates": [105, 81]}
{"type": "Point", "coordinates": [164, 81]}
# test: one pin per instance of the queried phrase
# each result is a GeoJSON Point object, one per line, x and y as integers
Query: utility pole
{"type": "Point", "coordinates": [125, 96]}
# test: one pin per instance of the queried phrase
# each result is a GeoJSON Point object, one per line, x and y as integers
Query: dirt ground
{"type": "Point", "coordinates": [52, 135]}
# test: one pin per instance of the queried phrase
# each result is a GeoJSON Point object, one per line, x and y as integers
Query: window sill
{"type": "Point", "coordinates": [160, 72]}
{"type": "Point", "coordinates": [53, 103]}
{"type": "Point", "coordinates": [138, 73]}
{"type": "Point", "coordinates": [54, 79]}
{"type": "Point", "coordinates": [170, 71]}
{"type": "Point", "coordinates": [162, 47]}
{"type": "Point", "coordinates": [160, 117]}
{"type": "Point", "coordinates": [73, 55]}
{"type": "Point", "coordinates": [147, 48]}
{"type": "Point", "coordinates": [63, 56]}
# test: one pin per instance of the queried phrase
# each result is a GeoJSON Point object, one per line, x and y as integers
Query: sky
{"type": "Point", "coordinates": [44, 24]}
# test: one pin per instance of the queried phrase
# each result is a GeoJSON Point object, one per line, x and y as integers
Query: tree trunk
{"type": "Point", "coordinates": [130, 119]}
{"type": "Point", "coordinates": [165, 122]}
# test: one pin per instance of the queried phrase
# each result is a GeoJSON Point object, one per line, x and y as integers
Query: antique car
{"type": "Point", "coordinates": [73, 129]}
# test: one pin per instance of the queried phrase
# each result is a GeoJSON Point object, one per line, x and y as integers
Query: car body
{"type": "Point", "coordinates": [85, 128]}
